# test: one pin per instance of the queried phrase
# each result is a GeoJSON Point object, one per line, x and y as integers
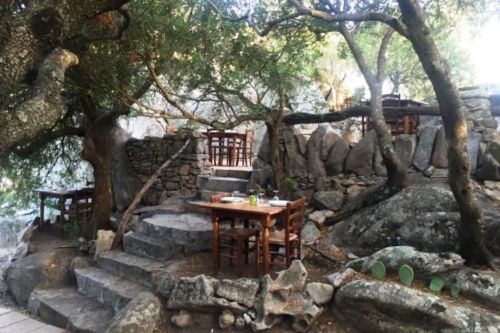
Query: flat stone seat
{"type": "Point", "coordinates": [107, 288]}
{"type": "Point", "coordinates": [193, 232]}
{"type": "Point", "coordinates": [222, 184]}
{"type": "Point", "coordinates": [68, 309]}
{"type": "Point", "coordinates": [135, 268]}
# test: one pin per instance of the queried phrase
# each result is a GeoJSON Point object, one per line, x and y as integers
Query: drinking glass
{"type": "Point", "coordinates": [276, 196]}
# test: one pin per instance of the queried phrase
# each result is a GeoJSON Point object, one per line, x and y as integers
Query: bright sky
{"type": "Point", "coordinates": [485, 53]}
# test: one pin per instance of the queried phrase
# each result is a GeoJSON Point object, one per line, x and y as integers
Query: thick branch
{"type": "Point", "coordinates": [44, 108]}
{"type": "Point", "coordinates": [357, 111]}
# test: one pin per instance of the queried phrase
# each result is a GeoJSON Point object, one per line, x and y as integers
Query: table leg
{"type": "Point", "coordinates": [215, 243]}
{"type": "Point", "coordinates": [42, 209]}
{"type": "Point", "coordinates": [265, 243]}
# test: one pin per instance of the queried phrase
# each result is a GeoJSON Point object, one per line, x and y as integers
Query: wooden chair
{"type": "Point", "coordinates": [289, 238]}
{"type": "Point", "coordinates": [236, 240]}
{"type": "Point", "coordinates": [244, 150]}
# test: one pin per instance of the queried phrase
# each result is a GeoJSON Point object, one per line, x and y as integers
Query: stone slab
{"type": "Point", "coordinates": [423, 153]}
{"type": "Point", "coordinates": [150, 247]}
{"type": "Point", "coordinates": [66, 308]}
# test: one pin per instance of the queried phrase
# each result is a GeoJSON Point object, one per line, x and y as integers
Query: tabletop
{"type": "Point", "coordinates": [244, 207]}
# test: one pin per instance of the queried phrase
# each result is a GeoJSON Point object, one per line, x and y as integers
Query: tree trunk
{"type": "Point", "coordinates": [96, 152]}
{"type": "Point", "coordinates": [471, 232]}
{"type": "Point", "coordinates": [276, 163]}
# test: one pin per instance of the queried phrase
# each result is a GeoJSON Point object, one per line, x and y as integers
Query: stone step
{"type": "Point", "coordinates": [151, 247]}
{"type": "Point", "coordinates": [134, 268]}
{"type": "Point", "coordinates": [68, 309]}
{"type": "Point", "coordinates": [107, 288]}
{"type": "Point", "coordinates": [191, 231]}
{"type": "Point", "coordinates": [222, 184]}
{"type": "Point", "coordinates": [233, 173]}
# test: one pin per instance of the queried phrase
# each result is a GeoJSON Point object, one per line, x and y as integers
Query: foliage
{"type": "Point", "coordinates": [406, 275]}
{"type": "Point", "coordinates": [436, 284]}
{"type": "Point", "coordinates": [378, 270]}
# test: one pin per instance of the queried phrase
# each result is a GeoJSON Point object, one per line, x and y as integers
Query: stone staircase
{"type": "Point", "coordinates": [117, 277]}
{"type": "Point", "coordinates": [224, 180]}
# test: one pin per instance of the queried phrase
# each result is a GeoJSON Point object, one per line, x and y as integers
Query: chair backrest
{"type": "Point", "coordinates": [294, 216]}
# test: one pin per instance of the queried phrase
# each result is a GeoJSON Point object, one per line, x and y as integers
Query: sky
{"type": "Point", "coordinates": [485, 53]}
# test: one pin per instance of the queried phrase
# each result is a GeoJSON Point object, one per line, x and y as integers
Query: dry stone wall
{"type": "Point", "coordinates": [179, 179]}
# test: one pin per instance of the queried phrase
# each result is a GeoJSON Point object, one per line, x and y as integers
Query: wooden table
{"type": "Point", "coordinates": [60, 194]}
{"type": "Point", "coordinates": [244, 211]}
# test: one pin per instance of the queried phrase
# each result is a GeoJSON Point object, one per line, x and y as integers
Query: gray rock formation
{"type": "Point", "coordinates": [405, 146]}
{"type": "Point", "coordinates": [375, 306]}
{"type": "Point", "coordinates": [321, 293]}
{"type": "Point", "coordinates": [481, 286]}
{"type": "Point", "coordinates": [310, 233]}
{"type": "Point", "coordinates": [144, 314]}
{"type": "Point", "coordinates": [473, 142]}
{"type": "Point", "coordinates": [295, 162]}
{"type": "Point", "coordinates": [423, 153]}
{"type": "Point", "coordinates": [242, 291]}
{"type": "Point", "coordinates": [331, 200]}
{"type": "Point", "coordinates": [360, 158]}
{"type": "Point", "coordinates": [365, 232]}
{"type": "Point", "coordinates": [440, 153]}
{"type": "Point", "coordinates": [336, 157]}
{"type": "Point", "coordinates": [423, 263]}
{"type": "Point", "coordinates": [329, 139]}
{"type": "Point", "coordinates": [315, 165]}
{"type": "Point", "coordinates": [489, 166]}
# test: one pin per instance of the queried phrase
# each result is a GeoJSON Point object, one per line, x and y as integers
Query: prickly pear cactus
{"type": "Point", "coordinates": [437, 283]}
{"type": "Point", "coordinates": [455, 290]}
{"type": "Point", "coordinates": [378, 270]}
{"type": "Point", "coordinates": [406, 275]}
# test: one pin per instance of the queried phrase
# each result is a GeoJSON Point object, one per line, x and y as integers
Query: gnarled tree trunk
{"type": "Point", "coordinates": [471, 233]}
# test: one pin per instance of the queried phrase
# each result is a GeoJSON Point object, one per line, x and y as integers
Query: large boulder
{"type": "Point", "coordinates": [329, 139]}
{"type": "Point", "coordinates": [423, 263]}
{"type": "Point", "coordinates": [367, 230]}
{"type": "Point", "coordinates": [315, 165]}
{"type": "Point", "coordinates": [331, 200]}
{"type": "Point", "coordinates": [43, 270]}
{"type": "Point", "coordinates": [473, 142]}
{"type": "Point", "coordinates": [423, 153]}
{"type": "Point", "coordinates": [144, 314]}
{"type": "Point", "coordinates": [336, 157]}
{"type": "Point", "coordinates": [481, 286]}
{"type": "Point", "coordinates": [376, 306]}
{"type": "Point", "coordinates": [440, 153]}
{"type": "Point", "coordinates": [405, 146]}
{"type": "Point", "coordinates": [489, 166]}
{"type": "Point", "coordinates": [360, 158]}
{"type": "Point", "coordinates": [295, 162]}
{"type": "Point", "coordinates": [242, 291]}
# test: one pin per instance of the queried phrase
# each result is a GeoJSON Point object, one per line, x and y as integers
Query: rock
{"type": "Point", "coordinates": [310, 233]}
{"type": "Point", "coordinates": [315, 165]}
{"type": "Point", "coordinates": [317, 217]}
{"type": "Point", "coordinates": [423, 153]}
{"type": "Point", "coordinates": [378, 163]}
{"type": "Point", "coordinates": [423, 263]}
{"type": "Point", "coordinates": [375, 306]}
{"type": "Point", "coordinates": [321, 293]}
{"type": "Point", "coordinates": [285, 298]}
{"type": "Point", "coordinates": [79, 263]}
{"type": "Point", "coordinates": [43, 270]}
{"type": "Point", "coordinates": [295, 162]}
{"type": "Point", "coordinates": [182, 320]}
{"type": "Point", "coordinates": [226, 319]}
{"type": "Point", "coordinates": [329, 139]}
{"type": "Point", "coordinates": [198, 294]}
{"type": "Point", "coordinates": [338, 279]}
{"type": "Point", "coordinates": [329, 213]}
{"type": "Point", "coordinates": [489, 166]}
{"type": "Point", "coordinates": [440, 153]}
{"type": "Point", "coordinates": [331, 200]}
{"type": "Point", "coordinates": [336, 157]}
{"type": "Point", "coordinates": [241, 291]}
{"type": "Point", "coordinates": [163, 283]}
{"type": "Point", "coordinates": [405, 146]}
{"type": "Point", "coordinates": [240, 322]}
{"type": "Point", "coordinates": [104, 241]}
{"type": "Point", "coordinates": [365, 231]}
{"type": "Point", "coordinates": [473, 141]}
{"type": "Point", "coordinates": [21, 251]}
{"type": "Point", "coordinates": [481, 286]}
{"type": "Point", "coordinates": [26, 234]}
{"type": "Point", "coordinates": [144, 314]}
{"type": "Point", "coordinates": [360, 158]}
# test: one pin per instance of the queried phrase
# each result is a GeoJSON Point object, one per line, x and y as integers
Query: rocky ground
{"type": "Point", "coordinates": [5, 299]}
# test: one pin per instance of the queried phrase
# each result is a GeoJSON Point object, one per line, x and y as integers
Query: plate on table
{"type": "Point", "coordinates": [278, 203]}
{"type": "Point", "coordinates": [231, 199]}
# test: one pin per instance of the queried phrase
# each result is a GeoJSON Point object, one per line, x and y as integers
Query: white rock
{"type": "Point", "coordinates": [321, 293]}
{"type": "Point", "coordinates": [338, 279]}
{"type": "Point", "coordinates": [182, 320]}
{"type": "Point", "coordinates": [104, 241]}
{"type": "Point", "coordinates": [226, 319]}
{"type": "Point", "coordinates": [317, 217]}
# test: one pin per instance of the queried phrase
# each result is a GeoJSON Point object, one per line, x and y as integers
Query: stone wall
{"type": "Point", "coordinates": [179, 179]}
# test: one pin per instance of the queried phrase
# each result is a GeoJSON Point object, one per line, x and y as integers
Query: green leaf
{"type": "Point", "coordinates": [406, 275]}
{"type": "Point", "coordinates": [378, 270]}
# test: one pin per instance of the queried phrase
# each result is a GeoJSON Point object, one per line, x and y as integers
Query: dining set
{"type": "Point", "coordinates": [271, 229]}
{"type": "Point", "coordinates": [230, 148]}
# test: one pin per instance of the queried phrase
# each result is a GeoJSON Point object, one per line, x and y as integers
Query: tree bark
{"type": "Point", "coordinates": [44, 108]}
{"type": "Point", "coordinates": [471, 233]}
